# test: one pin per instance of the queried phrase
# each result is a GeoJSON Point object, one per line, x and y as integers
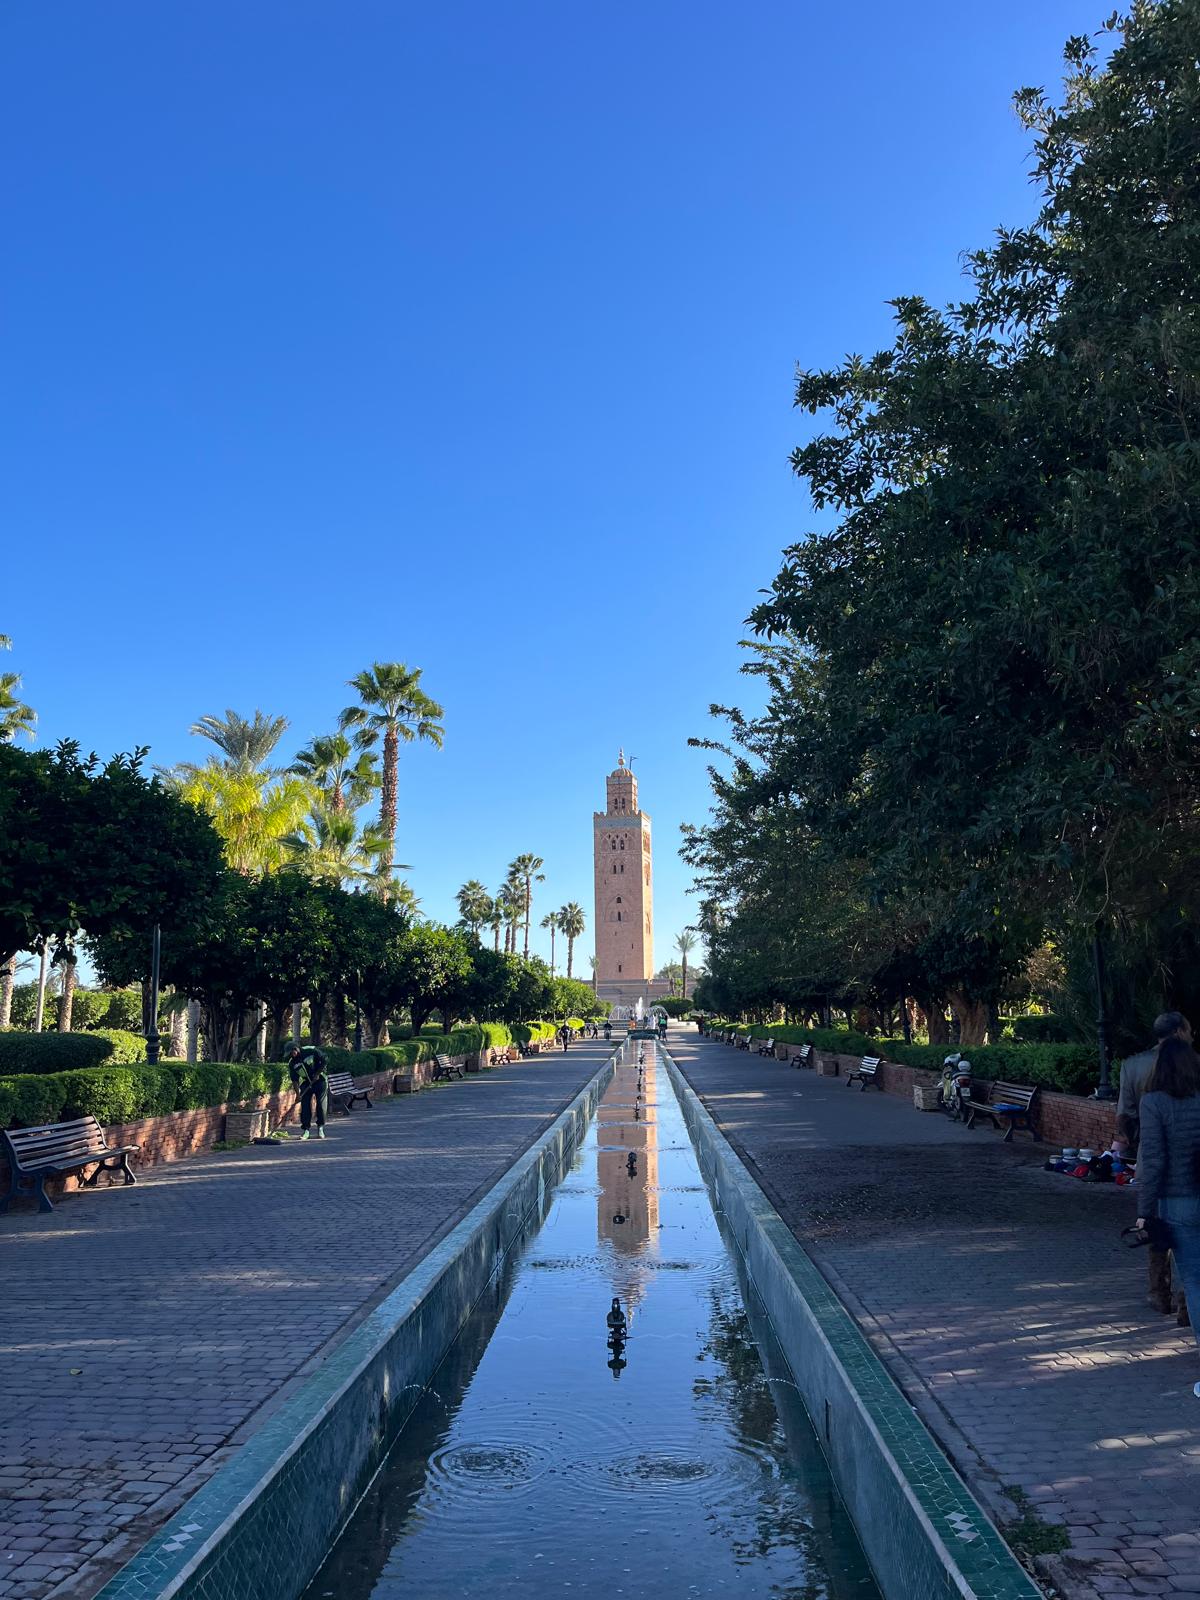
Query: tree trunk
{"type": "Point", "coordinates": [193, 1030]}
{"type": "Point", "coordinates": [551, 949]}
{"type": "Point", "coordinates": [972, 1017]}
{"type": "Point", "coordinates": [297, 1028]}
{"type": "Point", "coordinates": [316, 1016]}
{"type": "Point", "coordinates": [683, 981]}
{"type": "Point", "coordinates": [496, 937]}
{"type": "Point", "coordinates": [570, 954]}
{"type": "Point", "coordinates": [528, 909]}
{"type": "Point", "coordinates": [338, 1027]}
{"type": "Point", "coordinates": [39, 1014]}
{"type": "Point", "coordinates": [8, 980]}
{"type": "Point", "coordinates": [387, 799]}
{"type": "Point", "coordinates": [177, 1044]}
{"type": "Point", "coordinates": [66, 1000]}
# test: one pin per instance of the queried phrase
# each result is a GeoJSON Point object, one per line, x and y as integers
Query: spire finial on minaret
{"type": "Point", "coordinates": [621, 756]}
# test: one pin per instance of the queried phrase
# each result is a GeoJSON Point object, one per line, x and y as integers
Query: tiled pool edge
{"type": "Point", "coordinates": [260, 1527]}
{"type": "Point", "coordinates": [924, 1533]}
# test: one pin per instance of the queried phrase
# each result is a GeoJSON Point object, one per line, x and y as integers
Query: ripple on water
{"type": "Point", "coordinates": [487, 1466]}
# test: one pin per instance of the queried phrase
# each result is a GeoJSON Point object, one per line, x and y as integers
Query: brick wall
{"type": "Point", "coordinates": [187, 1133]}
{"type": "Point", "coordinates": [1061, 1119]}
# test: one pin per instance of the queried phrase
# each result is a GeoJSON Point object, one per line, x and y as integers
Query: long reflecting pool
{"type": "Point", "coordinates": [559, 1451]}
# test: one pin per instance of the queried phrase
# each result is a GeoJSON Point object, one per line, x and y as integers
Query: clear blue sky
{"type": "Point", "coordinates": [463, 335]}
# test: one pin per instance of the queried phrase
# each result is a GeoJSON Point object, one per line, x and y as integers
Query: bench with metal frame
{"type": "Point", "coordinates": [766, 1047]}
{"type": "Point", "coordinates": [56, 1148]}
{"type": "Point", "coordinates": [866, 1073]}
{"type": "Point", "coordinates": [444, 1069]}
{"type": "Point", "coordinates": [803, 1056]}
{"type": "Point", "coordinates": [344, 1093]}
{"type": "Point", "coordinates": [1007, 1104]}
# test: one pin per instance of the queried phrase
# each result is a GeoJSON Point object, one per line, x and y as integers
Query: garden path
{"type": "Point", "coordinates": [1003, 1303]}
{"type": "Point", "coordinates": [148, 1330]}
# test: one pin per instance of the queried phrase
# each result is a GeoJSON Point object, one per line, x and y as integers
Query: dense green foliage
{"type": "Point", "coordinates": [1044, 1029]}
{"type": "Point", "coordinates": [982, 681]}
{"type": "Point", "coordinates": [60, 1052]}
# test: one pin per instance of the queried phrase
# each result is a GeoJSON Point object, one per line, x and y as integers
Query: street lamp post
{"type": "Point", "coordinates": [152, 1039]}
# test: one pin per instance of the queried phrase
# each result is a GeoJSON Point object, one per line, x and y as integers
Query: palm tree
{"type": "Point", "coordinates": [475, 906]}
{"type": "Point", "coordinates": [685, 944]}
{"type": "Point", "coordinates": [512, 902]}
{"type": "Point", "coordinates": [332, 848]}
{"type": "Point", "coordinates": [550, 920]}
{"type": "Point", "coordinates": [393, 705]}
{"type": "Point", "coordinates": [15, 716]}
{"type": "Point", "coordinates": [258, 821]}
{"type": "Point", "coordinates": [345, 780]}
{"type": "Point", "coordinates": [592, 964]}
{"type": "Point", "coordinates": [245, 745]}
{"type": "Point", "coordinates": [526, 868]}
{"type": "Point", "coordinates": [572, 922]}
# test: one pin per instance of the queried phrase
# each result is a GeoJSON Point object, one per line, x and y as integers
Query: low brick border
{"type": "Point", "coordinates": [179, 1134]}
{"type": "Point", "coordinates": [1062, 1119]}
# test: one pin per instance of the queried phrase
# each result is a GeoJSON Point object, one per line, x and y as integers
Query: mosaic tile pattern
{"type": "Point", "coordinates": [921, 1527]}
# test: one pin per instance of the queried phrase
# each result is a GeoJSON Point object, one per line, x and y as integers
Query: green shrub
{"type": "Point", "coordinates": [127, 1048]}
{"type": "Point", "coordinates": [533, 1032]}
{"type": "Point", "coordinates": [1071, 1068]}
{"type": "Point", "coordinates": [124, 1093]}
{"type": "Point", "coordinates": [124, 1010]}
{"type": "Point", "coordinates": [88, 1008]}
{"type": "Point", "coordinates": [838, 1041]}
{"type": "Point", "coordinates": [51, 1052]}
{"type": "Point", "coordinates": [1039, 1030]}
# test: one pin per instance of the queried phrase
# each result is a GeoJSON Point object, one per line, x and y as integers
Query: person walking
{"type": "Point", "coordinates": [310, 1079]}
{"type": "Point", "coordinates": [1168, 1169]}
{"type": "Point", "coordinates": [1135, 1075]}
{"type": "Point", "coordinates": [564, 1037]}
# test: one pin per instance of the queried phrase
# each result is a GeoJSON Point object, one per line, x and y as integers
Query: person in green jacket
{"type": "Point", "coordinates": [310, 1079]}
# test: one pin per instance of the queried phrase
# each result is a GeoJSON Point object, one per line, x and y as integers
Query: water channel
{"type": "Point", "coordinates": [551, 1456]}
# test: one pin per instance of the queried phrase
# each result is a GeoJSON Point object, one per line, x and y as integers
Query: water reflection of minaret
{"type": "Point", "coordinates": [628, 1126]}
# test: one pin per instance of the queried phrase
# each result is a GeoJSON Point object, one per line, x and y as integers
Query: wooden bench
{"type": "Point", "coordinates": [444, 1069]}
{"type": "Point", "coordinates": [865, 1073]}
{"type": "Point", "coordinates": [742, 1041]}
{"type": "Point", "coordinates": [55, 1148]}
{"type": "Point", "coordinates": [344, 1093]}
{"type": "Point", "coordinates": [766, 1047]}
{"type": "Point", "coordinates": [498, 1056]}
{"type": "Point", "coordinates": [1008, 1104]}
{"type": "Point", "coordinates": [804, 1056]}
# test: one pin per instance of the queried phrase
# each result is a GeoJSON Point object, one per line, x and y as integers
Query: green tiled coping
{"type": "Point", "coordinates": [261, 1526]}
{"type": "Point", "coordinates": [924, 1533]}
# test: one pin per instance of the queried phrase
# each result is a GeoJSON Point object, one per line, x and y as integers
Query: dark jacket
{"type": "Point", "coordinates": [308, 1069]}
{"type": "Point", "coordinates": [1135, 1073]}
{"type": "Point", "coordinates": [1169, 1156]}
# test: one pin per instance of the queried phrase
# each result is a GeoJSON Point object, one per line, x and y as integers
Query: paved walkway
{"type": "Point", "coordinates": [146, 1331]}
{"type": "Point", "coordinates": [1001, 1300]}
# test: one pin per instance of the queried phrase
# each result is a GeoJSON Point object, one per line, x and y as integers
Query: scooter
{"type": "Point", "coordinates": [954, 1087]}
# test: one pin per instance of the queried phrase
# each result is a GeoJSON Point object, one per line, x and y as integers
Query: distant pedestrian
{"type": "Point", "coordinates": [310, 1079]}
{"type": "Point", "coordinates": [1168, 1170]}
{"type": "Point", "coordinates": [564, 1036]}
{"type": "Point", "coordinates": [1135, 1075]}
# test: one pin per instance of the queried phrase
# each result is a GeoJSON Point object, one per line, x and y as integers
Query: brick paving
{"type": "Point", "coordinates": [147, 1330]}
{"type": "Point", "coordinates": [1002, 1301]}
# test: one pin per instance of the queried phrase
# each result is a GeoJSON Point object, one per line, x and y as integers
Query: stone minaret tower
{"type": "Point", "coordinates": [624, 925]}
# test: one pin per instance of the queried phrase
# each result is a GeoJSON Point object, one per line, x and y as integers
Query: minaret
{"type": "Point", "coordinates": [624, 924]}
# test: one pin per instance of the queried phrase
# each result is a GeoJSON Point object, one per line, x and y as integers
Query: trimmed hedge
{"type": "Point", "coordinates": [65, 1052]}
{"type": "Point", "coordinates": [1039, 1030]}
{"type": "Point", "coordinates": [534, 1032]}
{"type": "Point", "coordinates": [124, 1093]}
{"type": "Point", "coordinates": [1071, 1068]}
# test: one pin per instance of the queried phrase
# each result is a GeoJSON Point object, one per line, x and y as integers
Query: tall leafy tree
{"type": "Point", "coordinates": [571, 922]}
{"type": "Point", "coordinates": [392, 708]}
{"type": "Point", "coordinates": [550, 921]}
{"type": "Point", "coordinates": [475, 906]}
{"type": "Point", "coordinates": [246, 745]}
{"type": "Point", "coordinates": [685, 943]}
{"type": "Point", "coordinates": [259, 821]}
{"type": "Point", "coordinates": [16, 718]}
{"type": "Point", "coordinates": [526, 869]}
{"type": "Point", "coordinates": [345, 777]}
